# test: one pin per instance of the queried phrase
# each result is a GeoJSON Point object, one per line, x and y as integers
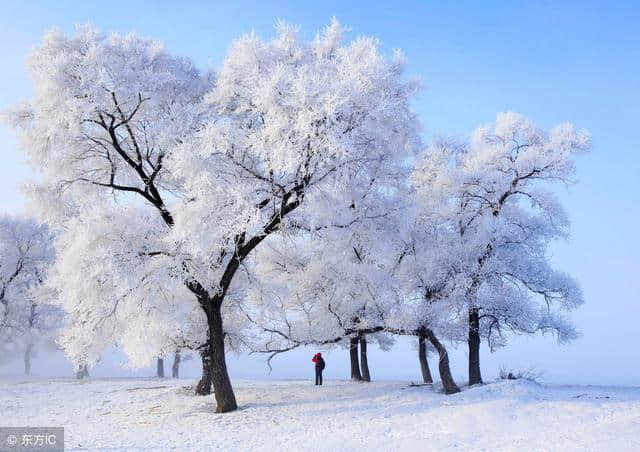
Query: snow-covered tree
{"type": "Point", "coordinates": [322, 292]}
{"type": "Point", "coordinates": [180, 178]}
{"type": "Point", "coordinates": [116, 295]}
{"type": "Point", "coordinates": [491, 217]}
{"type": "Point", "coordinates": [324, 281]}
{"type": "Point", "coordinates": [406, 266]}
{"type": "Point", "coordinates": [26, 320]}
{"type": "Point", "coordinates": [314, 291]}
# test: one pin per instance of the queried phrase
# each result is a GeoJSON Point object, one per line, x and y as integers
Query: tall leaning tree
{"type": "Point", "coordinates": [118, 126]}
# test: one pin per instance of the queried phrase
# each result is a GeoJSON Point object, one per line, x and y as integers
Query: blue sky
{"type": "Point", "coordinates": [551, 61]}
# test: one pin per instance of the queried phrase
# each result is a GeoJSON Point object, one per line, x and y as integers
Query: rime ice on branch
{"type": "Point", "coordinates": [162, 181]}
{"type": "Point", "coordinates": [487, 211]}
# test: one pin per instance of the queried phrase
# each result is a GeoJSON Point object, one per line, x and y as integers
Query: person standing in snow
{"type": "Point", "coordinates": [319, 362]}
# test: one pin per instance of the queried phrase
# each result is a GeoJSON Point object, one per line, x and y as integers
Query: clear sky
{"type": "Point", "coordinates": [552, 61]}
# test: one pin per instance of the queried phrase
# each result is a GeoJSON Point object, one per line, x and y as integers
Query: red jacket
{"type": "Point", "coordinates": [317, 359]}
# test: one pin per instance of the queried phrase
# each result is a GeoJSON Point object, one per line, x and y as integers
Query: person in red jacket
{"type": "Point", "coordinates": [319, 362]}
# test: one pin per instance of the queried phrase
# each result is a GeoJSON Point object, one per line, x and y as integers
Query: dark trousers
{"type": "Point", "coordinates": [318, 376]}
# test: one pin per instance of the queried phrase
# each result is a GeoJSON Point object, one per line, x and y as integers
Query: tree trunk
{"type": "Point", "coordinates": [82, 372]}
{"type": "Point", "coordinates": [175, 369]}
{"type": "Point", "coordinates": [353, 357]}
{"type": "Point", "coordinates": [29, 349]}
{"type": "Point", "coordinates": [160, 368]}
{"type": "Point", "coordinates": [204, 385]}
{"type": "Point", "coordinates": [424, 364]}
{"type": "Point", "coordinates": [448, 383]}
{"type": "Point", "coordinates": [225, 398]}
{"type": "Point", "coordinates": [474, 347]}
{"type": "Point", "coordinates": [364, 364]}
{"type": "Point", "coordinates": [27, 360]}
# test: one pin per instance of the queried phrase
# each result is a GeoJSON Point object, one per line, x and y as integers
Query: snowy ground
{"type": "Point", "coordinates": [155, 414]}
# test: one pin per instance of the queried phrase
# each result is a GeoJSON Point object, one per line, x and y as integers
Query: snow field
{"type": "Point", "coordinates": [157, 414]}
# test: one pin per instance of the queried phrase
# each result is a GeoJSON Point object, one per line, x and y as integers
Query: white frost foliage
{"type": "Point", "coordinates": [324, 100]}
{"type": "Point", "coordinates": [115, 278]}
{"type": "Point", "coordinates": [86, 83]}
{"type": "Point", "coordinates": [159, 179]}
{"type": "Point", "coordinates": [323, 287]}
{"type": "Point", "coordinates": [294, 123]}
{"type": "Point", "coordinates": [27, 317]}
{"type": "Point", "coordinates": [326, 43]}
{"type": "Point", "coordinates": [488, 218]}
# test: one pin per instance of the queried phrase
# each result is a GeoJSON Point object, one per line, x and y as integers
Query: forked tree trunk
{"type": "Point", "coordinates": [82, 372]}
{"type": "Point", "coordinates": [424, 364]}
{"type": "Point", "coordinates": [448, 383]}
{"type": "Point", "coordinates": [364, 363]}
{"type": "Point", "coordinates": [160, 368]}
{"type": "Point", "coordinates": [27, 359]}
{"type": "Point", "coordinates": [353, 357]}
{"type": "Point", "coordinates": [225, 398]}
{"type": "Point", "coordinates": [204, 385]}
{"type": "Point", "coordinates": [474, 347]}
{"type": "Point", "coordinates": [175, 369]}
